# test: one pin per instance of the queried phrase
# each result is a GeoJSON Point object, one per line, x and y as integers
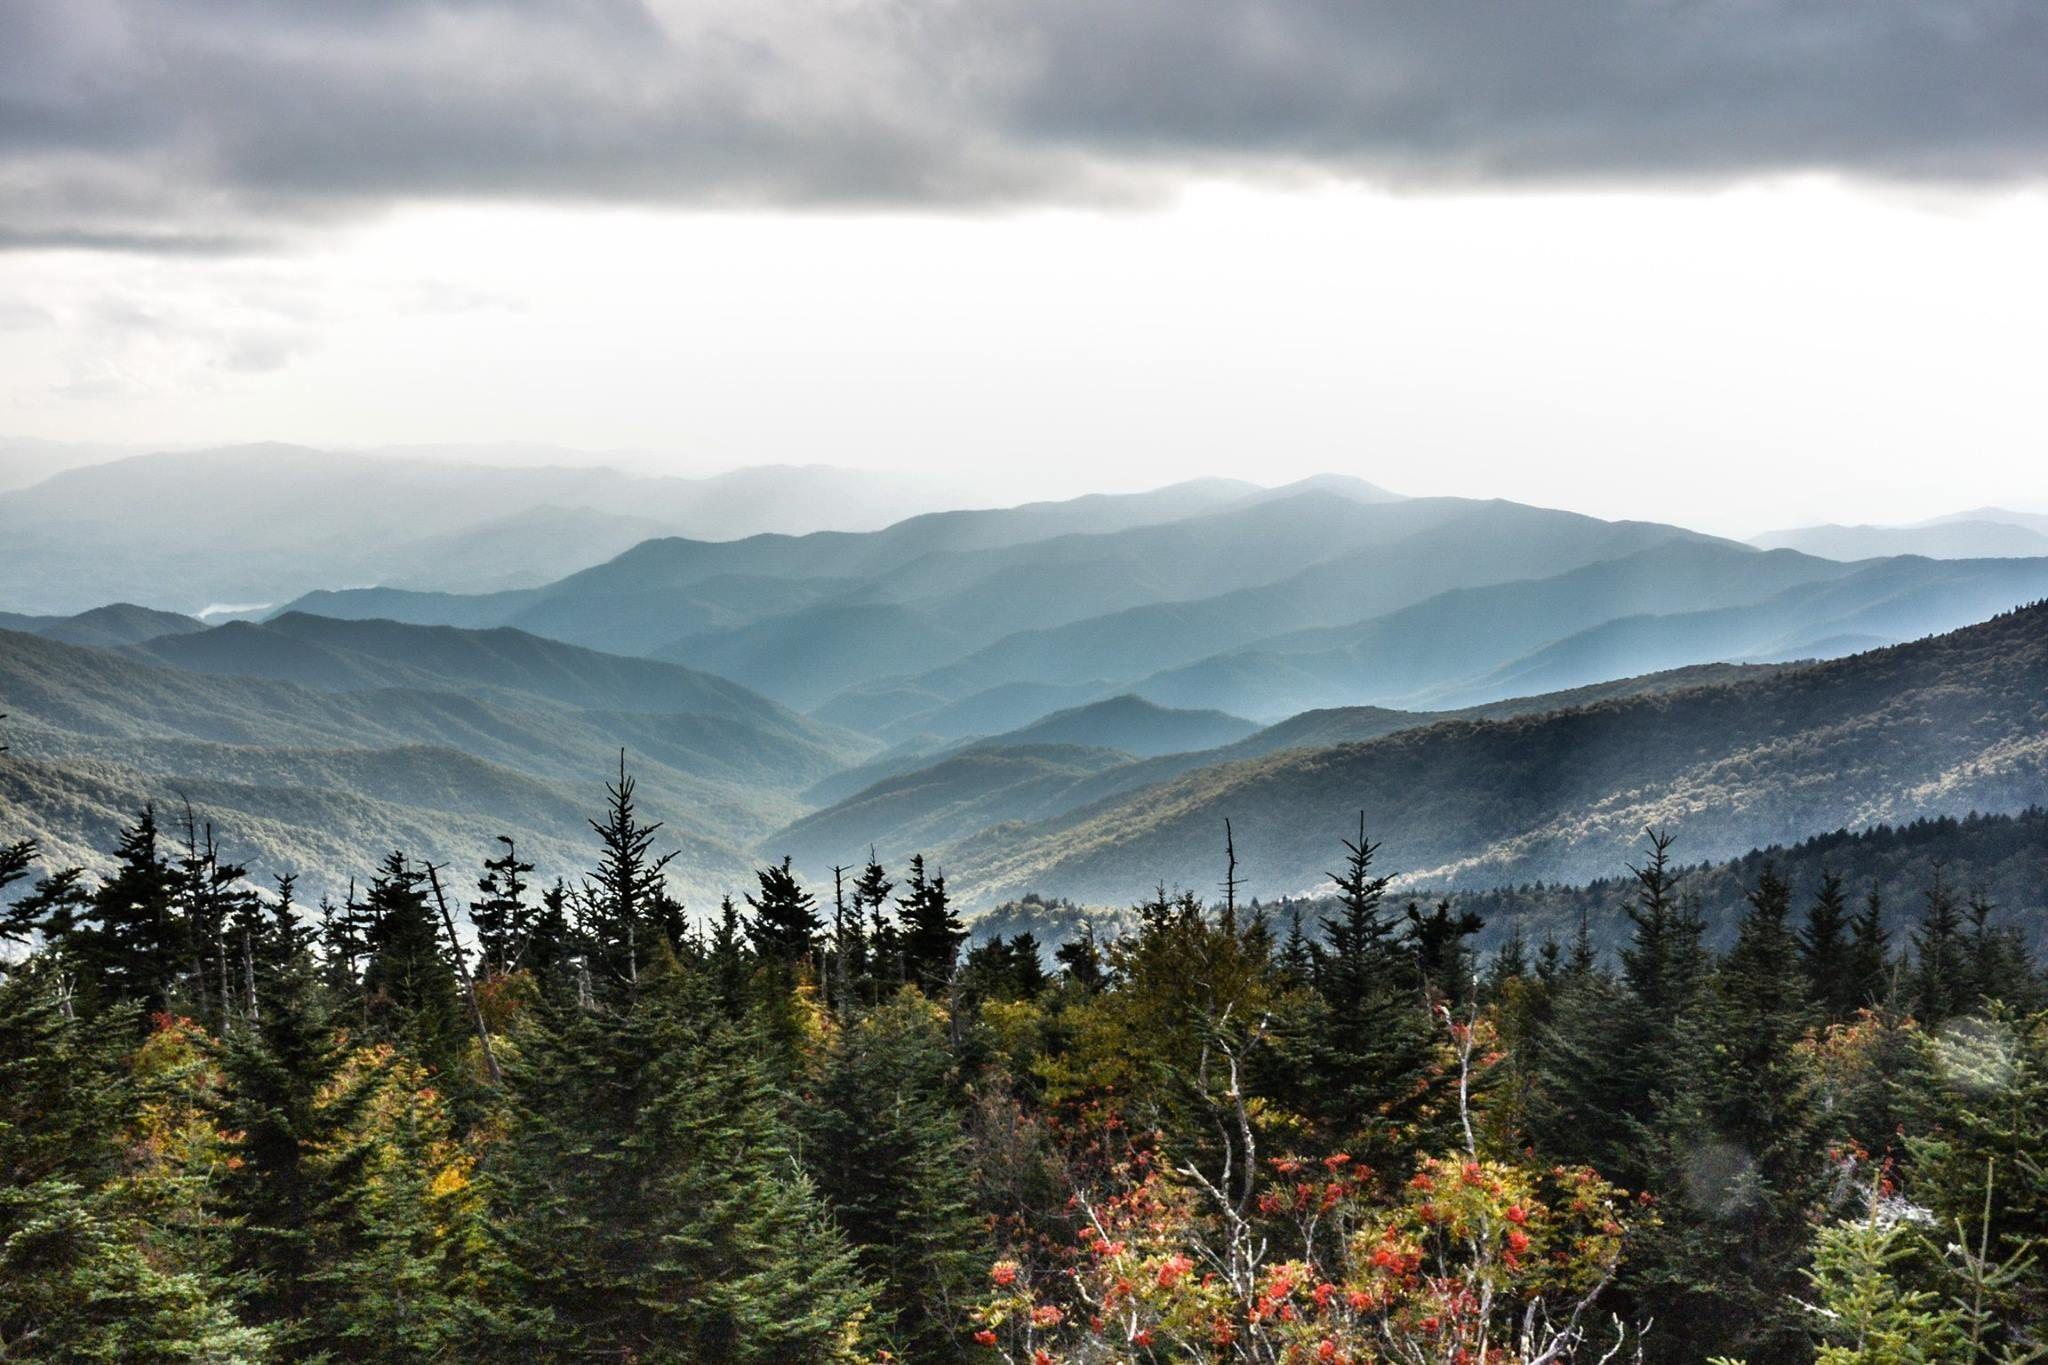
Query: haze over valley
{"type": "Point", "coordinates": [1065, 698]}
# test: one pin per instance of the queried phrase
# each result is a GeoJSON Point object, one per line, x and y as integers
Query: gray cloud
{"type": "Point", "coordinates": [219, 125]}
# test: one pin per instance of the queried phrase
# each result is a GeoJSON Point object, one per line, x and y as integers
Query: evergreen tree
{"type": "Point", "coordinates": [504, 921]}
{"type": "Point", "coordinates": [785, 924]}
{"type": "Point", "coordinates": [130, 944]}
{"type": "Point", "coordinates": [932, 933]}
{"type": "Point", "coordinates": [1510, 961]}
{"type": "Point", "coordinates": [885, 949]}
{"type": "Point", "coordinates": [211, 898]}
{"type": "Point", "coordinates": [1005, 969]}
{"type": "Point", "coordinates": [1368, 1053]}
{"type": "Point", "coordinates": [52, 909]}
{"type": "Point", "coordinates": [400, 1239]}
{"type": "Point", "coordinates": [1869, 965]}
{"type": "Point", "coordinates": [409, 982]}
{"type": "Point", "coordinates": [1825, 952]}
{"type": "Point", "coordinates": [275, 1073]}
{"type": "Point", "coordinates": [647, 1197]}
{"type": "Point", "coordinates": [1443, 961]}
{"type": "Point", "coordinates": [1940, 979]}
{"type": "Point", "coordinates": [626, 910]}
{"type": "Point", "coordinates": [1736, 1144]}
{"type": "Point", "coordinates": [1080, 960]}
{"type": "Point", "coordinates": [884, 1140]}
{"type": "Point", "coordinates": [1997, 967]}
{"type": "Point", "coordinates": [1297, 954]}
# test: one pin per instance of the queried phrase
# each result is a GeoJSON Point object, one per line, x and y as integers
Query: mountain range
{"type": "Point", "coordinates": [1066, 697]}
{"type": "Point", "coordinates": [248, 527]}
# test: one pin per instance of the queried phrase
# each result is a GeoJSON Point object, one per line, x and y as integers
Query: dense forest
{"type": "Point", "coordinates": [460, 1116]}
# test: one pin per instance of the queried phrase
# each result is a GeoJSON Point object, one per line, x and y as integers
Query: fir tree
{"type": "Point", "coordinates": [504, 921]}
{"type": "Point", "coordinates": [885, 952]}
{"type": "Point", "coordinates": [1869, 965]}
{"type": "Point", "coordinates": [1080, 960]}
{"type": "Point", "coordinates": [1443, 961]}
{"type": "Point", "coordinates": [1825, 952]}
{"type": "Point", "coordinates": [785, 924]}
{"type": "Point", "coordinates": [1737, 1142]}
{"type": "Point", "coordinates": [626, 909]}
{"type": "Point", "coordinates": [931, 933]}
{"type": "Point", "coordinates": [130, 945]}
{"type": "Point", "coordinates": [1367, 1054]}
{"type": "Point", "coordinates": [409, 983]}
{"type": "Point", "coordinates": [884, 1139]}
{"type": "Point", "coordinates": [1940, 979]}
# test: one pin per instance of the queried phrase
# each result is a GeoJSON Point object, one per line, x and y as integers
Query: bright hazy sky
{"type": "Point", "coordinates": [1659, 265]}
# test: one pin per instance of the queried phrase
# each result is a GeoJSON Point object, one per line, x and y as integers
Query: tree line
{"type": "Point", "coordinates": [814, 1125]}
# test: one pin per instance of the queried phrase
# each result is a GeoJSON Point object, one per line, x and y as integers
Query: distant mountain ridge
{"type": "Point", "coordinates": [1954, 722]}
{"type": "Point", "coordinates": [367, 734]}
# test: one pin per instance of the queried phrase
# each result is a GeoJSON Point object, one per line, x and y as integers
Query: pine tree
{"type": "Point", "coordinates": [504, 921]}
{"type": "Point", "coordinates": [1510, 961]}
{"type": "Point", "coordinates": [884, 1139]}
{"type": "Point", "coordinates": [932, 933]}
{"type": "Point", "coordinates": [1940, 979]}
{"type": "Point", "coordinates": [211, 897]}
{"type": "Point", "coordinates": [409, 983]}
{"type": "Point", "coordinates": [626, 910]}
{"type": "Point", "coordinates": [885, 951]}
{"type": "Point", "coordinates": [275, 1071]}
{"type": "Point", "coordinates": [1443, 961]}
{"type": "Point", "coordinates": [1997, 966]}
{"type": "Point", "coordinates": [1825, 952]}
{"type": "Point", "coordinates": [784, 928]}
{"type": "Point", "coordinates": [1367, 1055]}
{"type": "Point", "coordinates": [130, 944]}
{"type": "Point", "coordinates": [1297, 954]}
{"type": "Point", "coordinates": [1737, 1139]}
{"type": "Point", "coordinates": [647, 1197]}
{"type": "Point", "coordinates": [1869, 966]}
{"type": "Point", "coordinates": [402, 1251]}
{"type": "Point", "coordinates": [52, 908]}
{"type": "Point", "coordinates": [1080, 960]}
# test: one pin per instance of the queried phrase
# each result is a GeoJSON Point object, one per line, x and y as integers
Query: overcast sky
{"type": "Point", "coordinates": [1739, 263]}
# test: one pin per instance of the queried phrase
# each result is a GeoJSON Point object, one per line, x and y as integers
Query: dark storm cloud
{"type": "Point", "coordinates": [206, 124]}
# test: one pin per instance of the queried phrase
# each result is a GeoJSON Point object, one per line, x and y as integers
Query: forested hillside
{"type": "Point", "coordinates": [322, 738]}
{"type": "Point", "coordinates": [815, 1127]}
{"type": "Point", "coordinates": [1940, 726]}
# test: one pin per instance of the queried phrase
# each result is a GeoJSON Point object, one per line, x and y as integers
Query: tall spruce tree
{"type": "Point", "coordinates": [1825, 952]}
{"type": "Point", "coordinates": [785, 924]}
{"type": "Point", "coordinates": [932, 933]}
{"type": "Point", "coordinates": [1367, 1052]}
{"type": "Point", "coordinates": [504, 921]}
{"type": "Point", "coordinates": [627, 912]}
{"type": "Point", "coordinates": [409, 981]}
{"type": "Point", "coordinates": [1736, 1147]}
{"type": "Point", "coordinates": [1869, 964]}
{"type": "Point", "coordinates": [883, 1124]}
{"type": "Point", "coordinates": [1939, 984]}
{"type": "Point", "coordinates": [130, 944]}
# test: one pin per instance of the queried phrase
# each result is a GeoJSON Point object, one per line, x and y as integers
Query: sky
{"type": "Point", "coordinates": [1735, 263]}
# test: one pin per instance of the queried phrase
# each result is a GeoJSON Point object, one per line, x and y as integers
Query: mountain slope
{"type": "Point", "coordinates": [913, 799]}
{"type": "Point", "coordinates": [120, 623]}
{"type": "Point", "coordinates": [1668, 607]}
{"type": "Point", "coordinates": [1963, 539]}
{"type": "Point", "coordinates": [1133, 725]}
{"type": "Point", "coordinates": [465, 756]}
{"type": "Point", "coordinates": [351, 655]}
{"type": "Point", "coordinates": [1942, 725]}
{"type": "Point", "coordinates": [149, 528]}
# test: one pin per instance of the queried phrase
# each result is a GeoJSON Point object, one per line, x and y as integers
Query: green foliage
{"type": "Point", "coordinates": [882, 1122]}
